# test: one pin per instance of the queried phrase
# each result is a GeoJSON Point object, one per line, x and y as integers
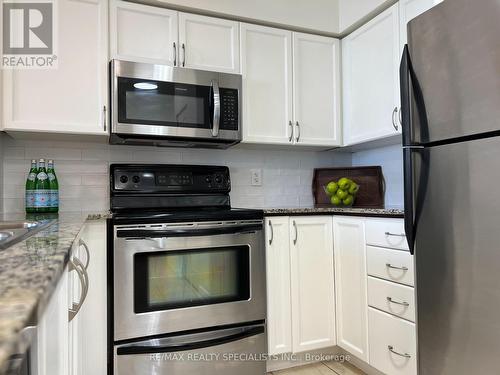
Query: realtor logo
{"type": "Point", "coordinates": [28, 35]}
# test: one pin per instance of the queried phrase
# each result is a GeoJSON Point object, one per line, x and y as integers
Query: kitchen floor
{"type": "Point", "coordinates": [322, 368]}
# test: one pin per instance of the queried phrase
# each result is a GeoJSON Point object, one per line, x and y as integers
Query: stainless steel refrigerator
{"type": "Point", "coordinates": [450, 92]}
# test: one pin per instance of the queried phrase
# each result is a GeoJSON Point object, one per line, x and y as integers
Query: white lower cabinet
{"type": "Point", "coordinates": [350, 285]}
{"type": "Point", "coordinates": [300, 283]}
{"type": "Point", "coordinates": [393, 298]}
{"type": "Point", "coordinates": [392, 344]}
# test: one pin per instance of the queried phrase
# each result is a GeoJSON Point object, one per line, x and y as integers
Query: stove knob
{"type": "Point", "coordinates": [136, 179]}
{"type": "Point", "coordinates": [208, 179]}
{"type": "Point", "coordinates": [218, 179]}
{"type": "Point", "coordinates": [123, 179]}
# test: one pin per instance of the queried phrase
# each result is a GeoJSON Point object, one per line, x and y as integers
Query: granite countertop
{"type": "Point", "coordinates": [367, 212]}
{"type": "Point", "coordinates": [29, 273]}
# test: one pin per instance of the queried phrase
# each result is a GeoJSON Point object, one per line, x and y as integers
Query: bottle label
{"type": "Point", "coordinates": [32, 176]}
{"type": "Point", "coordinates": [42, 176]}
{"type": "Point", "coordinates": [54, 198]}
{"type": "Point", "coordinates": [42, 198]}
{"type": "Point", "coordinates": [51, 176]}
{"type": "Point", "coordinates": [30, 198]}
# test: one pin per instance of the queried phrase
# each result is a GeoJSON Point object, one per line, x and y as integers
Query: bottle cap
{"type": "Point", "coordinates": [41, 161]}
{"type": "Point", "coordinates": [33, 161]}
{"type": "Point", "coordinates": [51, 161]}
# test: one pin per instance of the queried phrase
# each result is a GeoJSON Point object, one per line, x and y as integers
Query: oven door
{"type": "Point", "coordinates": [178, 277]}
{"type": "Point", "coordinates": [163, 101]}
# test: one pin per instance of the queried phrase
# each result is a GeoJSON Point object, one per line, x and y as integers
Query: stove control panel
{"type": "Point", "coordinates": [169, 178]}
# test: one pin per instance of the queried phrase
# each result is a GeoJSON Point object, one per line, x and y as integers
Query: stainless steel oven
{"type": "Point", "coordinates": [172, 106]}
{"type": "Point", "coordinates": [176, 277]}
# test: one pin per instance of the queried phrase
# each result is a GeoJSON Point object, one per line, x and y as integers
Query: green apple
{"type": "Point", "coordinates": [354, 188]}
{"type": "Point", "coordinates": [344, 183]}
{"type": "Point", "coordinates": [342, 194]}
{"type": "Point", "coordinates": [332, 187]}
{"type": "Point", "coordinates": [336, 201]}
{"type": "Point", "coordinates": [348, 201]}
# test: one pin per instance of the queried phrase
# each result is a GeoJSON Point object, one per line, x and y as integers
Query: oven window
{"type": "Point", "coordinates": [163, 103]}
{"type": "Point", "coordinates": [186, 278]}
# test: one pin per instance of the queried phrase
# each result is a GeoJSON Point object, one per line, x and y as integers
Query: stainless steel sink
{"type": "Point", "coordinates": [12, 232]}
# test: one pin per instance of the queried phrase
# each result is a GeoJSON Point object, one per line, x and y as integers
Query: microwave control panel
{"type": "Point", "coordinates": [229, 109]}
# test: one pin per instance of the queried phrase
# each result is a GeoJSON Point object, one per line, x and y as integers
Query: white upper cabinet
{"type": "Point", "coordinates": [266, 64]}
{"type": "Point", "coordinates": [316, 90]}
{"type": "Point", "coordinates": [408, 10]}
{"type": "Point", "coordinates": [371, 57]}
{"type": "Point", "coordinates": [209, 43]}
{"type": "Point", "coordinates": [71, 98]}
{"type": "Point", "coordinates": [312, 276]}
{"type": "Point", "coordinates": [143, 33]}
{"type": "Point", "coordinates": [279, 308]}
{"type": "Point", "coordinates": [350, 285]}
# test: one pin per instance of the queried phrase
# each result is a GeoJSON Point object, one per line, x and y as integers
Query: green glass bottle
{"type": "Point", "coordinates": [42, 189]}
{"type": "Point", "coordinates": [30, 187]}
{"type": "Point", "coordinates": [53, 186]}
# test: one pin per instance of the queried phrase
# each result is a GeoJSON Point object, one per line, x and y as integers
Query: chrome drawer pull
{"type": "Point", "coordinates": [388, 265]}
{"type": "Point", "coordinates": [406, 304]}
{"type": "Point", "coordinates": [395, 234]}
{"type": "Point", "coordinates": [272, 232]}
{"type": "Point", "coordinates": [391, 349]}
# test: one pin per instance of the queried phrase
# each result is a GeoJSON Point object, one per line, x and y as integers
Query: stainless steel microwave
{"type": "Point", "coordinates": [169, 106]}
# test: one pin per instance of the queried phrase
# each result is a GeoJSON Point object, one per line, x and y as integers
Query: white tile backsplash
{"type": "Point", "coordinates": [82, 170]}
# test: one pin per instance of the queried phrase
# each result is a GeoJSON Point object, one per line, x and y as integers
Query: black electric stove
{"type": "Point", "coordinates": [159, 193]}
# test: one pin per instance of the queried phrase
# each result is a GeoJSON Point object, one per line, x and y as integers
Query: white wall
{"type": "Point", "coordinates": [82, 170]}
{"type": "Point", "coordinates": [391, 160]}
{"type": "Point", "coordinates": [319, 15]}
{"type": "Point", "coordinates": [353, 11]}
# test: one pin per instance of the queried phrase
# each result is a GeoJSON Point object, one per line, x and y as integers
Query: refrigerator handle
{"type": "Point", "coordinates": [404, 78]}
{"type": "Point", "coordinates": [408, 198]}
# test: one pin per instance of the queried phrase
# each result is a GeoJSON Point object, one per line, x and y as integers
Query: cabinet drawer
{"type": "Point", "coordinates": [393, 298]}
{"type": "Point", "coordinates": [392, 265]}
{"type": "Point", "coordinates": [386, 233]}
{"type": "Point", "coordinates": [393, 344]}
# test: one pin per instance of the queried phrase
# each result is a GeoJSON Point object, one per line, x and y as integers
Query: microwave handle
{"type": "Point", "coordinates": [216, 101]}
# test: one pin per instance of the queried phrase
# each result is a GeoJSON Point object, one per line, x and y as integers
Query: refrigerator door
{"type": "Point", "coordinates": [457, 257]}
{"type": "Point", "coordinates": [455, 71]}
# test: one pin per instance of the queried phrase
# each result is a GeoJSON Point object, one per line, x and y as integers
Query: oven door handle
{"type": "Point", "coordinates": [155, 233]}
{"type": "Point", "coordinates": [180, 344]}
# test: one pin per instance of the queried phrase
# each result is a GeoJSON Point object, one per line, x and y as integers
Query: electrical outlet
{"type": "Point", "coordinates": [256, 177]}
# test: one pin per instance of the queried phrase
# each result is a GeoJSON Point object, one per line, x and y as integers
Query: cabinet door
{"type": "Point", "coordinates": [279, 307]}
{"type": "Point", "coordinates": [408, 10]}
{"type": "Point", "coordinates": [88, 345]}
{"type": "Point", "coordinates": [72, 97]}
{"type": "Point", "coordinates": [313, 306]}
{"type": "Point", "coordinates": [143, 33]}
{"type": "Point", "coordinates": [267, 84]}
{"type": "Point", "coordinates": [209, 43]}
{"type": "Point", "coordinates": [52, 333]}
{"type": "Point", "coordinates": [350, 285]}
{"type": "Point", "coordinates": [316, 90]}
{"type": "Point", "coordinates": [371, 79]}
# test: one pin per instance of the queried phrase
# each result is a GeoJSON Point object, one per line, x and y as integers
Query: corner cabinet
{"type": "Point", "coordinates": [285, 98]}
{"type": "Point", "coordinates": [371, 79]}
{"type": "Point", "coordinates": [350, 285]}
{"type": "Point", "coordinates": [71, 98]}
{"type": "Point", "coordinates": [300, 260]}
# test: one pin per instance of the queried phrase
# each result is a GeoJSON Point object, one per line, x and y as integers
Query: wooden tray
{"type": "Point", "coordinates": [370, 180]}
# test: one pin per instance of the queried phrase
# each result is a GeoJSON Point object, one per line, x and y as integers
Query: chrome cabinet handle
{"type": "Point", "coordinates": [290, 124]}
{"type": "Point", "coordinates": [175, 54]}
{"type": "Point", "coordinates": [272, 232]}
{"type": "Point", "coordinates": [394, 112]}
{"type": "Point", "coordinates": [82, 243]}
{"type": "Point", "coordinates": [216, 119]}
{"type": "Point", "coordinates": [183, 54]}
{"type": "Point", "coordinates": [395, 234]}
{"type": "Point", "coordinates": [406, 304]}
{"type": "Point", "coordinates": [391, 349]}
{"type": "Point", "coordinates": [400, 117]}
{"type": "Point", "coordinates": [388, 265]}
{"type": "Point", "coordinates": [296, 233]}
{"type": "Point", "coordinates": [104, 110]}
{"type": "Point", "coordinates": [298, 131]}
{"type": "Point", "coordinates": [77, 266]}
